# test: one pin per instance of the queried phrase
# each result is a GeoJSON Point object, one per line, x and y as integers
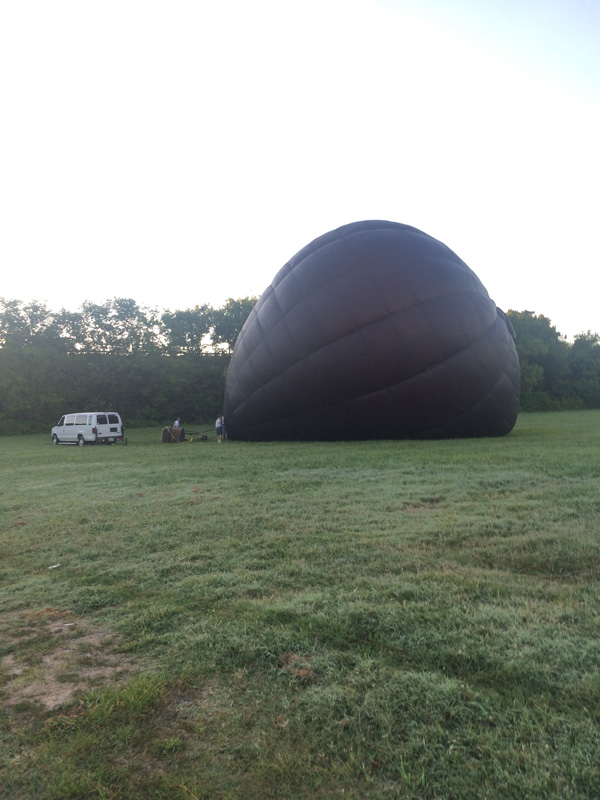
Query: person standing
{"type": "Point", "coordinates": [219, 427]}
{"type": "Point", "coordinates": [178, 433]}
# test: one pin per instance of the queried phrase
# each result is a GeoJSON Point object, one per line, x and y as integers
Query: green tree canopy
{"type": "Point", "coordinates": [554, 373]}
{"type": "Point", "coordinates": [229, 320]}
{"type": "Point", "coordinates": [584, 367]}
{"type": "Point", "coordinates": [188, 331]}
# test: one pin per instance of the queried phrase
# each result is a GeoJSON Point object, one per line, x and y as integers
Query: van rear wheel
{"type": "Point", "coordinates": [80, 441]}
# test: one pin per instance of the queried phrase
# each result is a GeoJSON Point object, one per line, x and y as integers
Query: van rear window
{"type": "Point", "coordinates": [113, 419]}
{"type": "Point", "coordinates": [101, 418]}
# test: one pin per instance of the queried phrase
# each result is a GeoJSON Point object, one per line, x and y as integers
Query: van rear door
{"type": "Point", "coordinates": [114, 422]}
{"type": "Point", "coordinates": [109, 427]}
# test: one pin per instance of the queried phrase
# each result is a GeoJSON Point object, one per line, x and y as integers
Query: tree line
{"type": "Point", "coordinates": [121, 327]}
{"type": "Point", "coordinates": [152, 366]}
{"type": "Point", "coordinates": [555, 374]}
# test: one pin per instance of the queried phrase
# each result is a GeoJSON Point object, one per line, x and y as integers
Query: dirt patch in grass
{"type": "Point", "coordinates": [51, 655]}
{"type": "Point", "coordinates": [298, 666]}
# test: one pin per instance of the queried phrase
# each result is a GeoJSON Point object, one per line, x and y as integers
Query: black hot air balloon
{"type": "Point", "coordinates": [374, 330]}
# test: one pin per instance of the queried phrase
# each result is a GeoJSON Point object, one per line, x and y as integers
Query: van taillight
{"type": "Point", "coordinates": [94, 431]}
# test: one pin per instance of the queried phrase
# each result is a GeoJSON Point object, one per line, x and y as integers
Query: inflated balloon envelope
{"type": "Point", "coordinates": [374, 330]}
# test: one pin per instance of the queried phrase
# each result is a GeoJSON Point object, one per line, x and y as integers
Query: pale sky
{"type": "Point", "coordinates": [181, 153]}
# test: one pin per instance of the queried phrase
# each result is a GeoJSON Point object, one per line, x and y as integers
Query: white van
{"type": "Point", "coordinates": [91, 427]}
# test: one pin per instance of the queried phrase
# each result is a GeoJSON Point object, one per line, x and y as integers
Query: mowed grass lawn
{"type": "Point", "coordinates": [302, 620]}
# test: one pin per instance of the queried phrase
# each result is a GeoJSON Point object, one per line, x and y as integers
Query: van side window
{"type": "Point", "coordinates": [101, 419]}
{"type": "Point", "coordinates": [81, 419]}
{"type": "Point", "coordinates": [113, 419]}
{"type": "Point", "coordinates": [70, 420]}
{"type": "Point", "coordinates": [61, 421]}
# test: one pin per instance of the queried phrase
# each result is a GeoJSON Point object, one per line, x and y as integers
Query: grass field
{"type": "Point", "coordinates": [341, 620]}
